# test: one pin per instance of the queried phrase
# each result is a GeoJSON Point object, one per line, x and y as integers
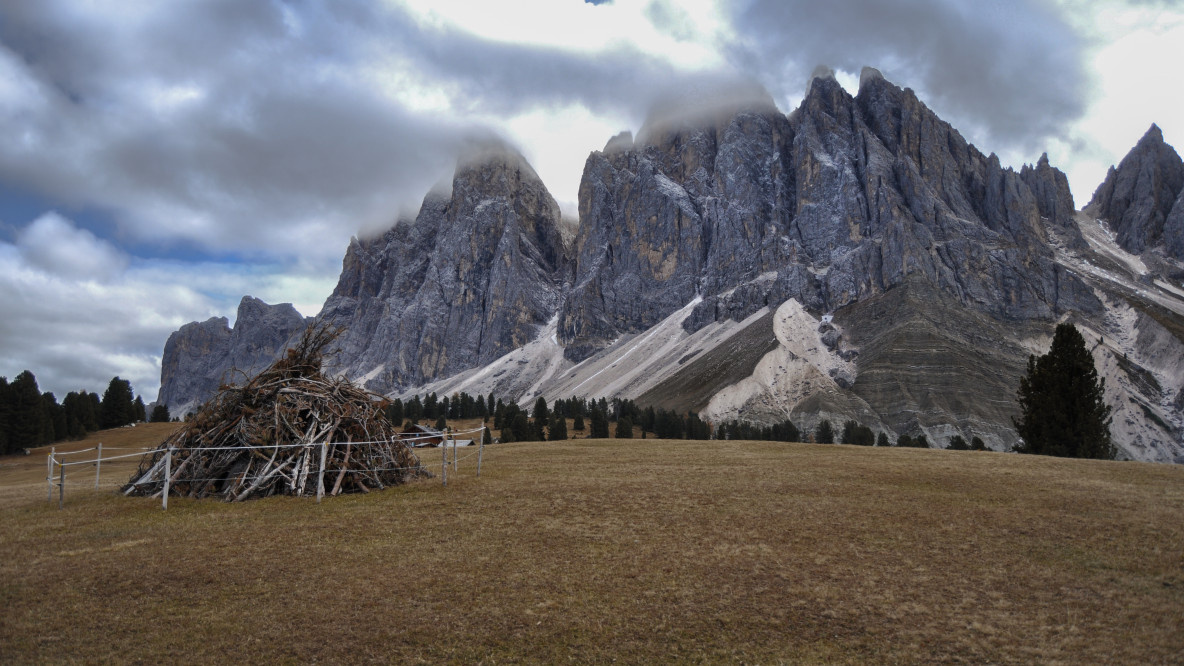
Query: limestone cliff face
{"type": "Point", "coordinates": [854, 259]}
{"type": "Point", "coordinates": [191, 364]}
{"type": "Point", "coordinates": [1141, 197]}
{"type": "Point", "coordinates": [473, 277]}
{"type": "Point", "coordinates": [201, 356]}
{"type": "Point", "coordinates": [836, 203]}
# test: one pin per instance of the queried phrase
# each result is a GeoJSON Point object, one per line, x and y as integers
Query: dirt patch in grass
{"type": "Point", "coordinates": [635, 551]}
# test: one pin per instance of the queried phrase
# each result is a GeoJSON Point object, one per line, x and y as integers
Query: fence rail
{"type": "Point", "coordinates": [57, 462]}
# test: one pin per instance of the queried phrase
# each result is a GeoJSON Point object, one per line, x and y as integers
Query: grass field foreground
{"type": "Point", "coordinates": [600, 550]}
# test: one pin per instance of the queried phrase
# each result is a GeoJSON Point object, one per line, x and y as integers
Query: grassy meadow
{"type": "Point", "coordinates": [594, 551]}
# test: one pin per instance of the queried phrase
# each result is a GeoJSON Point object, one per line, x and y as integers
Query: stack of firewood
{"type": "Point", "coordinates": [289, 431]}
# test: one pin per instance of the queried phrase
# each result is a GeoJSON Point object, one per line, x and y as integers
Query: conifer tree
{"type": "Point", "coordinates": [599, 423]}
{"type": "Point", "coordinates": [118, 408]}
{"type": "Point", "coordinates": [558, 429]}
{"type": "Point", "coordinates": [577, 423]}
{"type": "Point", "coordinates": [5, 413]}
{"type": "Point", "coordinates": [522, 428]}
{"type": "Point", "coordinates": [541, 414]}
{"type": "Point", "coordinates": [825, 434]}
{"type": "Point", "coordinates": [54, 419]}
{"type": "Point", "coordinates": [1062, 402]}
{"type": "Point", "coordinates": [160, 414]}
{"type": "Point", "coordinates": [26, 422]}
{"type": "Point", "coordinates": [624, 428]}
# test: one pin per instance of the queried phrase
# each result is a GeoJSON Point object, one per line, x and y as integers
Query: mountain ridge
{"type": "Point", "coordinates": [864, 225]}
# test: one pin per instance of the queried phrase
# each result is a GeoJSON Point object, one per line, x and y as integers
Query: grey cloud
{"type": "Point", "coordinates": [283, 135]}
{"type": "Point", "coordinates": [1011, 68]}
{"type": "Point", "coordinates": [284, 139]}
{"type": "Point", "coordinates": [53, 244]}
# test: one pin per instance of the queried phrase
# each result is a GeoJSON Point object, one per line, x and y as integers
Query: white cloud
{"type": "Point", "coordinates": [77, 326]}
{"type": "Point", "coordinates": [53, 244]}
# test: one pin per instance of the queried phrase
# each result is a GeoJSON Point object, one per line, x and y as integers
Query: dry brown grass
{"type": "Point", "coordinates": [635, 551]}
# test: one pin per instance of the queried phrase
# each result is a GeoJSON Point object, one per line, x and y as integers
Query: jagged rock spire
{"type": "Point", "coordinates": [1140, 195]}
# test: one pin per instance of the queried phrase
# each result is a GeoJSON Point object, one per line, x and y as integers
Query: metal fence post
{"type": "Point", "coordinates": [49, 475]}
{"type": "Point", "coordinates": [98, 464]}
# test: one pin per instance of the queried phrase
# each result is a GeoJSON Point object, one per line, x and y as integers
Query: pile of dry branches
{"type": "Point", "coordinates": [266, 437]}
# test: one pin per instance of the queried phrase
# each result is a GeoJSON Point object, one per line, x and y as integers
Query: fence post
{"type": "Point", "coordinates": [321, 474]}
{"type": "Point", "coordinates": [444, 463]}
{"type": "Point", "coordinates": [62, 483]}
{"type": "Point", "coordinates": [452, 438]}
{"type": "Point", "coordinates": [168, 471]}
{"type": "Point", "coordinates": [98, 464]}
{"type": "Point", "coordinates": [49, 475]}
{"type": "Point", "coordinates": [481, 451]}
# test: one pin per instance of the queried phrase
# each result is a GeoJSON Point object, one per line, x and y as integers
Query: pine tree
{"type": "Point", "coordinates": [1062, 402]}
{"type": "Point", "coordinates": [118, 408]}
{"type": "Point", "coordinates": [577, 423]}
{"type": "Point", "coordinates": [55, 429]}
{"type": "Point", "coordinates": [160, 414]}
{"type": "Point", "coordinates": [599, 423]}
{"type": "Point", "coordinates": [624, 428]}
{"type": "Point", "coordinates": [825, 434]}
{"type": "Point", "coordinates": [558, 429]}
{"type": "Point", "coordinates": [26, 421]}
{"type": "Point", "coordinates": [882, 439]}
{"type": "Point", "coordinates": [522, 428]}
{"type": "Point", "coordinates": [5, 413]}
{"type": "Point", "coordinates": [977, 444]}
{"type": "Point", "coordinates": [848, 436]}
{"type": "Point", "coordinates": [957, 443]}
{"type": "Point", "coordinates": [541, 414]}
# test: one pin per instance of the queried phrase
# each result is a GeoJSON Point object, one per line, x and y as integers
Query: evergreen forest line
{"type": "Point", "coordinates": [30, 418]}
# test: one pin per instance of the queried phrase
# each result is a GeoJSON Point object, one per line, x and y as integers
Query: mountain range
{"type": "Point", "coordinates": [854, 259]}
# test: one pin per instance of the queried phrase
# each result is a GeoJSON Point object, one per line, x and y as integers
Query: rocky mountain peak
{"type": "Point", "coordinates": [474, 276]}
{"type": "Point", "coordinates": [201, 356]}
{"type": "Point", "coordinates": [1140, 195]}
{"type": "Point", "coordinates": [1050, 186]}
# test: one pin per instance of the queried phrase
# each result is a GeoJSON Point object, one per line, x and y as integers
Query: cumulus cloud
{"type": "Point", "coordinates": [230, 125]}
{"type": "Point", "coordinates": [78, 311]}
{"type": "Point", "coordinates": [257, 127]}
{"type": "Point", "coordinates": [1010, 69]}
{"type": "Point", "coordinates": [54, 245]}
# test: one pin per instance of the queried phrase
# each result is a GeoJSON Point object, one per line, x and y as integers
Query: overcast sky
{"type": "Point", "coordinates": [162, 158]}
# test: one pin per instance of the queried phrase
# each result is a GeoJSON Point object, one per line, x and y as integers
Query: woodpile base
{"type": "Point", "coordinates": [289, 431]}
